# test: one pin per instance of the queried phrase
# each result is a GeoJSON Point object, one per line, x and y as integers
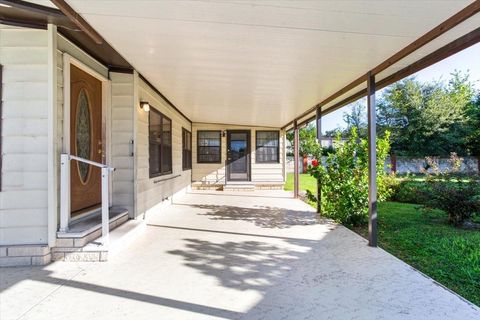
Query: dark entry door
{"type": "Point", "coordinates": [238, 155]}
{"type": "Point", "coordinates": [85, 139]}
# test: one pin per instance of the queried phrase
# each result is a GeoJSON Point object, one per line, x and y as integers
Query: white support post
{"type": "Point", "coordinates": [64, 192]}
{"type": "Point", "coordinates": [105, 203]}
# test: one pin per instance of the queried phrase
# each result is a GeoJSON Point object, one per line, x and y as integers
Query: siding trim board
{"type": "Point", "coordinates": [53, 161]}
{"type": "Point", "coordinates": [1, 121]}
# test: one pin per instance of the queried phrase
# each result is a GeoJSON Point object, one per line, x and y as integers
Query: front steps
{"type": "Point", "coordinates": [95, 252]}
{"type": "Point", "coordinates": [238, 186]}
{"type": "Point", "coordinates": [78, 243]}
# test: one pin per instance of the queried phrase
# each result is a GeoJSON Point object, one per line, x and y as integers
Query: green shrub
{"type": "Point", "coordinates": [416, 192]}
{"type": "Point", "coordinates": [459, 198]}
{"type": "Point", "coordinates": [344, 179]}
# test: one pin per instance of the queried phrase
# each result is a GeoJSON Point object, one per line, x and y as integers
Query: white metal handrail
{"type": "Point", "coordinates": [65, 195]}
{"type": "Point", "coordinates": [93, 163]}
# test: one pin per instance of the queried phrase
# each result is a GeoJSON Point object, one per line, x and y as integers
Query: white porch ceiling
{"type": "Point", "coordinates": [262, 62]}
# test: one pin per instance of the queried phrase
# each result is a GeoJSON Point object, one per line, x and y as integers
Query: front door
{"type": "Point", "coordinates": [85, 139]}
{"type": "Point", "coordinates": [238, 155]}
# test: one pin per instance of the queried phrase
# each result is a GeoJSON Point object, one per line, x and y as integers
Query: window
{"type": "Point", "coordinates": [160, 143]}
{"type": "Point", "coordinates": [209, 144]}
{"type": "Point", "coordinates": [186, 149]}
{"type": "Point", "coordinates": [267, 150]}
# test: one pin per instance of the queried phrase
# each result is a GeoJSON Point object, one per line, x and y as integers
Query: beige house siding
{"type": "Point", "coordinates": [152, 191]}
{"type": "Point", "coordinates": [215, 173]}
{"type": "Point", "coordinates": [121, 140]}
{"type": "Point", "coordinates": [23, 199]}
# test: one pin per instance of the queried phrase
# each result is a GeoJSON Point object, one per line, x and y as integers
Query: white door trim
{"type": "Point", "coordinates": [68, 60]}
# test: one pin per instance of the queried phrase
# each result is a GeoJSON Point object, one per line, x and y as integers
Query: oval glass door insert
{"type": "Point", "coordinates": [83, 135]}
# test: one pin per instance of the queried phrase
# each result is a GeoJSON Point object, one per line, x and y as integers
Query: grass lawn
{"type": "Point", "coordinates": [424, 240]}
{"type": "Point", "coordinates": [306, 182]}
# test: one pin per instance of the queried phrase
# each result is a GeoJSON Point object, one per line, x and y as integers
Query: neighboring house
{"type": "Point", "coordinates": [58, 99]}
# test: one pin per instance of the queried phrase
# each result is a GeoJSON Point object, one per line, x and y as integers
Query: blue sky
{"type": "Point", "coordinates": [466, 60]}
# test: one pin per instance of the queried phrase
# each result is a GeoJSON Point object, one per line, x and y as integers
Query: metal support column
{"type": "Point", "coordinates": [296, 151]}
{"type": "Point", "coordinates": [319, 140]}
{"type": "Point", "coordinates": [372, 161]}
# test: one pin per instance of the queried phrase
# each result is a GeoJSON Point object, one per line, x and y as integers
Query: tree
{"type": "Point", "coordinates": [473, 127]}
{"type": "Point", "coordinates": [356, 118]}
{"type": "Point", "coordinates": [308, 140]}
{"type": "Point", "coordinates": [427, 118]}
{"type": "Point", "coordinates": [308, 145]}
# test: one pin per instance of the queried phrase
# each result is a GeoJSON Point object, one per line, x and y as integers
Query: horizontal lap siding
{"type": "Point", "coordinates": [122, 134]}
{"type": "Point", "coordinates": [23, 199]}
{"type": "Point", "coordinates": [150, 191]}
{"type": "Point", "coordinates": [214, 173]}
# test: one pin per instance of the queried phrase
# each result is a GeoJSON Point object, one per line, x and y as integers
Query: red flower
{"type": "Point", "coordinates": [315, 162]}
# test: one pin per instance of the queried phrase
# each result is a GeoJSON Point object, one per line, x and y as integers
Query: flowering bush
{"type": "Point", "coordinates": [343, 179]}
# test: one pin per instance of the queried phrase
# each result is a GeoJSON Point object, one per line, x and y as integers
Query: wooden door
{"type": "Point", "coordinates": [85, 139]}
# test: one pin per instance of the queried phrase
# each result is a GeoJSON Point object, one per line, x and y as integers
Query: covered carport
{"type": "Point", "coordinates": [279, 63]}
{"type": "Point", "coordinates": [262, 254]}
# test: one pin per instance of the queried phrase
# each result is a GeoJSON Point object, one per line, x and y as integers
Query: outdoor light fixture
{"type": "Point", "coordinates": [145, 106]}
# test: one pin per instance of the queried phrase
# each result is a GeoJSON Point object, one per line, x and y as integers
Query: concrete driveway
{"type": "Point", "coordinates": [215, 255]}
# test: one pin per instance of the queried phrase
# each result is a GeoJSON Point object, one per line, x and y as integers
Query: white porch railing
{"type": "Point", "coordinates": [65, 194]}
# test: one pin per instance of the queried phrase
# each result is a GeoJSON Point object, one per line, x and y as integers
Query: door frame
{"type": "Point", "coordinates": [68, 61]}
{"type": "Point", "coordinates": [249, 157]}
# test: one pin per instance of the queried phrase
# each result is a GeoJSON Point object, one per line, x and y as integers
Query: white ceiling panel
{"type": "Point", "coordinates": [259, 62]}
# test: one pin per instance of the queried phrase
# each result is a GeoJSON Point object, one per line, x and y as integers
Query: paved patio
{"type": "Point", "coordinates": [212, 255]}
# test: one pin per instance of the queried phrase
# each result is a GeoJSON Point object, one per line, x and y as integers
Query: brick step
{"type": "Point", "coordinates": [239, 187]}
{"type": "Point", "coordinates": [94, 251]}
{"type": "Point", "coordinates": [24, 255]}
{"type": "Point", "coordinates": [84, 231]}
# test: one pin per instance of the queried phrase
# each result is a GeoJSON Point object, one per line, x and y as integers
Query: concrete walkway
{"type": "Point", "coordinates": [257, 255]}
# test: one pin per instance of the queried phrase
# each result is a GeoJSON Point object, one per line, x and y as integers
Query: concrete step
{"type": "Point", "coordinates": [239, 187]}
{"type": "Point", "coordinates": [82, 232]}
{"type": "Point", "coordinates": [120, 238]}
